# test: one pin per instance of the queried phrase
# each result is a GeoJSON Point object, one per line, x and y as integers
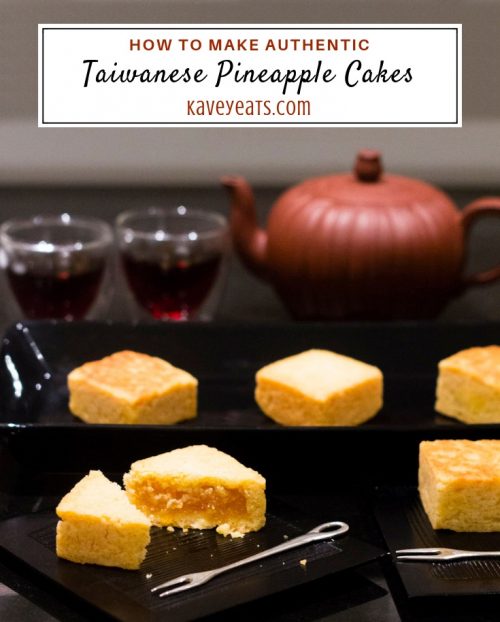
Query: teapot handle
{"type": "Point", "coordinates": [481, 207]}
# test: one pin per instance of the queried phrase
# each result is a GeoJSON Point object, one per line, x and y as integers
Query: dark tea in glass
{"type": "Point", "coordinates": [172, 258]}
{"type": "Point", "coordinates": [62, 295]}
{"type": "Point", "coordinates": [55, 264]}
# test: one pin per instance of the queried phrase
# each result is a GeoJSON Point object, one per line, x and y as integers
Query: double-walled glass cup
{"type": "Point", "coordinates": [173, 260]}
{"type": "Point", "coordinates": [55, 265]}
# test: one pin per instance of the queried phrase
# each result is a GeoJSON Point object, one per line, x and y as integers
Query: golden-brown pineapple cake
{"type": "Point", "coordinates": [128, 387]}
{"type": "Point", "coordinates": [468, 386]}
{"type": "Point", "coordinates": [319, 388]}
{"type": "Point", "coordinates": [198, 487]}
{"type": "Point", "coordinates": [99, 525]}
{"type": "Point", "coordinates": [459, 484]}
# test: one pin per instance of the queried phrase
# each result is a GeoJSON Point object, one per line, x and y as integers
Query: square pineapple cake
{"type": "Point", "coordinates": [319, 388]}
{"type": "Point", "coordinates": [459, 484]}
{"type": "Point", "coordinates": [128, 387]}
{"type": "Point", "coordinates": [468, 386]}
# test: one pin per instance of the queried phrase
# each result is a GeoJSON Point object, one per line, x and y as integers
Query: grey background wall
{"type": "Point", "coordinates": [28, 155]}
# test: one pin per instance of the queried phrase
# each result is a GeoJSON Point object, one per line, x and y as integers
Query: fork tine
{"type": "Point", "coordinates": [428, 551]}
{"type": "Point", "coordinates": [417, 558]}
{"type": "Point", "coordinates": [176, 590]}
{"type": "Point", "coordinates": [182, 580]}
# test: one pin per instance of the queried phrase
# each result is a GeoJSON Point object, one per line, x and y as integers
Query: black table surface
{"type": "Point", "coordinates": [246, 298]}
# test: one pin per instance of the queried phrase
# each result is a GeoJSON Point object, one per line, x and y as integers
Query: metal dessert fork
{"type": "Point", "coordinates": [325, 531]}
{"type": "Point", "coordinates": [441, 554]}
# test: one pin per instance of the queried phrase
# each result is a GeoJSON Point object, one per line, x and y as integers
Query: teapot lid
{"type": "Point", "coordinates": [368, 184]}
{"type": "Point", "coordinates": [368, 166]}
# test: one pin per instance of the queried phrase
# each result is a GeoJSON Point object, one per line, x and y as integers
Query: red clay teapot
{"type": "Point", "coordinates": [360, 245]}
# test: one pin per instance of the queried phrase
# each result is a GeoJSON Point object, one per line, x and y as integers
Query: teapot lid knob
{"type": "Point", "coordinates": [368, 165]}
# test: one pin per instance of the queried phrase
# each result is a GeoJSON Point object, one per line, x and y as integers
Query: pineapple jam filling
{"type": "Point", "coordinates": [213, 503]}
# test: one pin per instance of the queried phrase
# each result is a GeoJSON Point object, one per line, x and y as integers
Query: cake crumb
{"type": "Point", "coordinates": [170, 528]}
{"type": "Point", "coordinates": [185, 530]}
{"type": "Point", "coordinates": [285, 537]}
{"type": "Point", "coordinates": [149, 575]}
{"type": "Point", "coordinates": [303, 563]}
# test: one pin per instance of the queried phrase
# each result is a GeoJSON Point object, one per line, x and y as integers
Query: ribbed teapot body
{"type": "Point", "coordinates": [339, 247]}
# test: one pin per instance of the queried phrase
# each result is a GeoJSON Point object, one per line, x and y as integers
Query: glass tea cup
{"type": "Point", "coordinates": [55, 265]}
{"type": "Point", "coordinates": [173, 259]}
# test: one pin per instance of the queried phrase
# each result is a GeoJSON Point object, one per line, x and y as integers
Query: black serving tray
{"type": "Point", "coordinates": [404, 525]}
{"type": "Point", "coordinates": [37, 467]}
{"type": "Point", "coordinates": [36, 358]}
{"type": "Point", "coordinates": [125, 595]}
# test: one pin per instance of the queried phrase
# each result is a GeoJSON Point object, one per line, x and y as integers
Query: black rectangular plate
{"type": "Point", "coordinates": [125, 595]}
{"type": "Point", "coordinates": [405, 525]}
{"type": "Point", "coordinates": [37, 356]}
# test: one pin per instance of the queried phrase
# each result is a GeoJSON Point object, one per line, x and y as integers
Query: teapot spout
{"type": "Point", "coordinates": [249, 239]}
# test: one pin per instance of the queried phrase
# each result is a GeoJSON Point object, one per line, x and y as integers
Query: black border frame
{"type": "Point", "coordinates": [454, 123]}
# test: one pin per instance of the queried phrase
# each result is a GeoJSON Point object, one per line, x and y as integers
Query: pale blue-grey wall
{"type": "Point", "coordinates": [455, 157]}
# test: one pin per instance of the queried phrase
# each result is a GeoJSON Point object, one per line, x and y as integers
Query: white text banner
{"type": "Point", "coordinates": [249, 75]}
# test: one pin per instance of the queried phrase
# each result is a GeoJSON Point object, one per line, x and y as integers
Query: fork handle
{"type": "Point", "coordinates": [476, 554]}
{"type": "Point", "coordinates": [310, 536]}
